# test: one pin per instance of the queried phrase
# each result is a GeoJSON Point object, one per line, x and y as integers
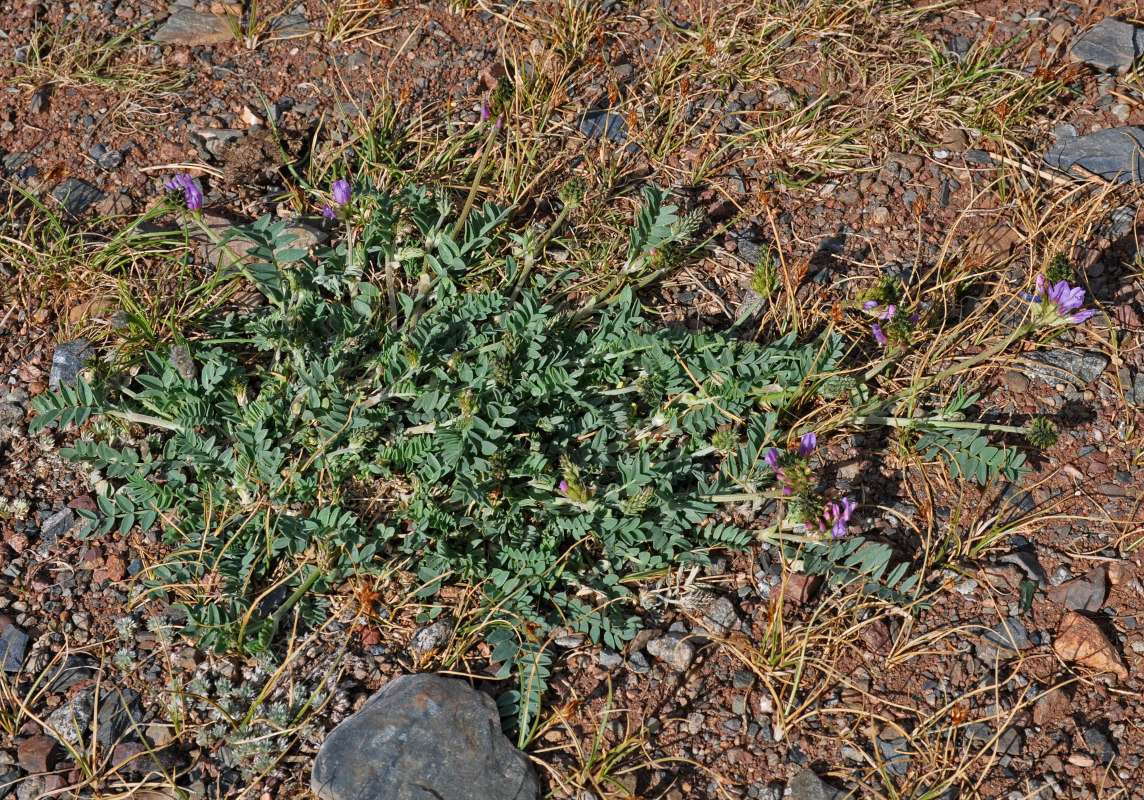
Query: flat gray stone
{"type": "Point", "coordinates": [720, 618]}
{"type": "Point", "coordinates": [69, 723]}
{"type": "Point", "coordinates": [291, 25]}
{"type": "Point", "coordinates": [1138, 389]}
{"type": "Point", "coordinates": [1028, 563]}
{"type": "Point", "coordinates": [68, 361]}
{"type": "Point", "coordinates": [1082, 594]}
{"type": "Point", "coordinates": [193, 28]}
{"type": "Point", "coordinates": [1112, 153]}
{"type": "Point", "coordinates": [1074, 367]}
{"type": "Point", "coordinates": [433, 636]}
{"type": "Point", "coordinates": [57, 525]}
{"type": "Point", "coordinates": [895, 755]}
{"type": "Point", "coordinates": [13, 648]}
{"type": "Point", "coordinates": [1110, 45]}
{"type": "Point", "coordinates": [62, 675]}
{"type": "Point", "coordinates": [1002, 641]}
{"type": "Point", "coordinates": [806, 785]}
{"type": "Point", "coordinates": [120, 714]}
{"type": "Point", "coordinates": [423, 737]}
{"type": "Point", "coordinates": [77, 196]}
{"type": "Point", "coordinates": [674, 650]}
{"type": "Point", "coordinates": [603, 125]}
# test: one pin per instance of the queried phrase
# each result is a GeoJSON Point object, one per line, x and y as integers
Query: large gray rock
{"type": "Point", "coordinates": [1110, 45]}
{"type": "Point", "coordinates": [194, 28]}
{"type": "Point", "coordinates": [1074, 367]}
{"type": "Point", "coordinates": [68, 361]}
{"type": "Point", "coordinates": [77, 196]}
{"type": "Point", "coordinates": [13, 648]}
{"type": "Point", "coordinates": [808, 786]}
{"type": "Point", "coordinates": [423, 737]}
{"type": "Point", "coordinates": [1112, 153]}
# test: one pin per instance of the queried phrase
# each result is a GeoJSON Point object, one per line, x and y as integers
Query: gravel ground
{"type": "Point", "coordinates": [982, 689]}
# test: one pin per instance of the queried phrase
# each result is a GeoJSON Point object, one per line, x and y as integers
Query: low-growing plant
{"type": "Point", "coordinates": [378, 407]}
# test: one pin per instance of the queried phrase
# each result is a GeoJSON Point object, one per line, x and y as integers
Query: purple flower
{"type": "Point", "coordinates": [190, 189]}
{"type": "Point", "coordinates": [563, 487]}
{"type": "Point", "coordinates": [837, 516]}
{"type": "Point", "coordinates": [342, 191]}
{"type": "Point", "coordinates": [876, 329]}
{"type": "Point", "coordinates": [328, 212]}
{"type": "Point", "coordinates": [889, 313]}
{"type": "Point", "coordinates": [1060, 302]}
{"type": "Point", "coordinates": [500, 121]}
{"type": "Point", "coordinates": [807, 444]}
{"type": "Point", "coordinates": [914, 317]}
{"type": "Point", "coordinates": [869, 305]}
{"type": "Point", "coordinates": [485, 113]}
{"type": "Point", "coordinates": [772, 459]}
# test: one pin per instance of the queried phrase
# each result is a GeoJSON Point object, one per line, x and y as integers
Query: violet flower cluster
{"type": "Point", "coordinates": [889, 315]}
{"type": "Point", "coordinates": [1058, 304]}
{"type": "Point", "coordinates": [342, 195]}
{"type": "Point", "coordinates": [793, 474]}
{"type": "Point", "coordinates": [182, 182]}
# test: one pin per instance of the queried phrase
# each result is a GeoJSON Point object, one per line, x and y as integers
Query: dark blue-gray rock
{"type": "Point", "coordinates": [1074, 367]}
{"type": "Point", "coordinates": [806, 785]}
{"type": "Point", "coordinates": [39, 102]}
{"type": "Point", "coordinates": [192, 28]}
{"type": "Point", "coordinates": [1110, 45]}
{"type": "Point", "coordinates": [62, 675]}
{"type": "Point", "coordinates": [1028, 563]}
{"type": "Point", "coordinates": [423, 737]}
{"type": "Point", "coordinates": [57, 525]}
{"type": "Point", "coordinates": [8, 782]}
{"type": "Point", "coordinates": [108, 159]}
{"type": "Point", "coordinates": [290, 25]}
{"type": "Point", "coordinates": [1010, 742]}
{"type": "Point", "coordinates": [1112, 153]}
{"type": "Point", "coordinates": [1003, 640]}
{"type": "Point", "coordinates": [603, 125]}
{"type": "Point", "coordinates": [1101, 747]}
{"type": "Point", "coordinates": [638, 663]}
{"type": "Point", "coordinates": [77, 196]}
{"type": "Point", "coordinates": [1138, 389]}
{"type": "Point", "coordinates": [68, 361]}
{"type": "Point", "coordinates": [13, 648]}
{"type": "Point", "coordinates": [120, 715]}
{"type": "Point", "coordinates": [895, 754]}
{"type": "Point", "coordinates": [1082, 594]}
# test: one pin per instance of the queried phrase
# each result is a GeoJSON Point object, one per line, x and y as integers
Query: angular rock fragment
{"type": "Point", "coordinates": [1110, 45]}
{"type": "Point", "coordinates": [418, 737]}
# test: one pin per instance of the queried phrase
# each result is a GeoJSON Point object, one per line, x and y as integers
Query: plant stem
{"type": "Point", "coordinates": [488, 149]}
{"type": "Point", "coordinates": [905, 422]}
{"type": "Point", "coordinates": [521, 279]}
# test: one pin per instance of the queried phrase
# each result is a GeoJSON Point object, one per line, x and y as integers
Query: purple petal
{"type": "Point", "coordinates": [328, 211]}
{"type": "Point", "coordinates": [869, 305]}
{"type": "Point", "coordinates": [848, 507]}
{"type": "Point", "coordinates": [1081, 316]}
{"type": "Point", "coordinates": [772, 459]}
{"type": "Point", "coordinates": [564, 487]}
{"type": "Point", "coordinates": [889, 312]}
{"type": "Point", "coordinates": [914, 317]}
{"type": "Point", "coordinates": [876, 329]}
{"type": "Point", "coordinates": [807, 444]}
{"type": "Point", "coordinates": [485, 113]}
{"type": "Point", "coordinates": [342, 192]}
